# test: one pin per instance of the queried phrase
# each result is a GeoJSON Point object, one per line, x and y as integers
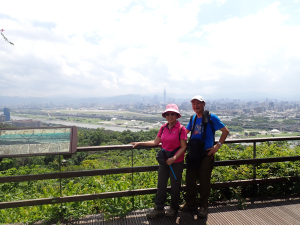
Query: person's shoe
{"type": "Point", "coordinates": [202, 212]}
{"type": "Point", "coordinates": [171, 212]}
{"type": "Point", "coordinates": [155, 213]}
{"type": "Point", "coordinates": [185, 207]}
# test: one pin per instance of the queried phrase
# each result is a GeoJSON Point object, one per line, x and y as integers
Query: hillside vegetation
{"type": "Point", "coordinates": [116, 182]}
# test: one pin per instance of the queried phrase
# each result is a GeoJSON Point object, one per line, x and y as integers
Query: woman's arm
{"type": "Point", "coordinates": [180, 151]}
{"type": "Point", "coordinates": [147, 143]}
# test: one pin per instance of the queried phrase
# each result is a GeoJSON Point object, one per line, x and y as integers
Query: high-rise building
{"type": "Point", "coordinates": [165, 95]}
{"type": "Point", "coordinates": [7, 113]}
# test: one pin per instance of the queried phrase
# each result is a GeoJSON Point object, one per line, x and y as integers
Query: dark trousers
{"type": "Point", "coordinates": [164, 173]}
{"type": "Point", "coordinates": [203, 174]}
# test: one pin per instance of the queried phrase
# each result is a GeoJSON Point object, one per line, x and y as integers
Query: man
{"type": "Point", "coordinates": [202, 172]}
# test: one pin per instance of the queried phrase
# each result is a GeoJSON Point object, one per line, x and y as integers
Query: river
{"type": "Point", "coordinates": [84, 125]}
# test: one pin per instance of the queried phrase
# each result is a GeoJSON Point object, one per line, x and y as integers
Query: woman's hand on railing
{"type": "Point", "coordinates": [135, 144]}
{"type": "Point", "coordinates": [147, 143]}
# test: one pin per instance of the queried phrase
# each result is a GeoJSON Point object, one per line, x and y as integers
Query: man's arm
{"type": "Point", "coordinates": [215, 148]}
{"type": "Point", "coordinates": [224, 134]}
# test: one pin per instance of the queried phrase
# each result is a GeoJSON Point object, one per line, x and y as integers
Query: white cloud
{"type": "Point", "coordinates": [243, 43]}
{"type": "Point", "coordinates": [221, 2]}
{"type": "Point", "coordinates": [121, 47]}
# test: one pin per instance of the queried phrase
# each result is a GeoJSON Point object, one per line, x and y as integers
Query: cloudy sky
{"type": "Point", "coordinates": [216, 48]}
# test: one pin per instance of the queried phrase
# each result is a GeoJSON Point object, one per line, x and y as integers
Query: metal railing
{"type": "Point", "coordinates": [71, 174]}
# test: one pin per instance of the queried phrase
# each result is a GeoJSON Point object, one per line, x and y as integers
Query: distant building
{"type": "Point", "coordinates": [26, 123]}
{"type": "Point", "coordinates": [7, 113]}
{"type": "Point", "coordinates": [280, 109]}
{"type": "Point", "coordinates": [246, 110]}
{"type": "Point", "coordinates": [259, 109]}
{"type": "Point", "coordinates": [155, 100]}
{"type": "Point", "coordinates": [267, 100]}
{"type": "Point", "coordinates": [236, 101]}
{"type": "Point", "coordinates": [185, 106]}
{"type": "Point", "coordinates": [165, 95]}
{"type": "Point", "coordinates": [2, 118]}
{"type": "Point", "coordinates": [213, 107]}
{"type": "Point", "coordinates": [275, 131]}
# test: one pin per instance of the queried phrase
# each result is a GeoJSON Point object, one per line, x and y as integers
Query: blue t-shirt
{"type": "Point", "coordinates": [209, 136]}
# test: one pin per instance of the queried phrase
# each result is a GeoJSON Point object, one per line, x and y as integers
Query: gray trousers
{"type": "Point", "coordinates": [164, 173]}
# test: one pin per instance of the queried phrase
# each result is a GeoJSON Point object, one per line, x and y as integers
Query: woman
{"type": "Point", "coordinates": [173, 136]}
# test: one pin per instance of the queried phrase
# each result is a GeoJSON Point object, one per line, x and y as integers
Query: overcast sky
{"type": "Point", "coordinates": [215, 48]}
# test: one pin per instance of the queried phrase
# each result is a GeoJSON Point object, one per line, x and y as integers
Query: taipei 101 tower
{"type": "Point", "coordinates": [165, 96]}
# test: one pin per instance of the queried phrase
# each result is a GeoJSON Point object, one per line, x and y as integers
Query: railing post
{"type": "Point", "coordinates": [132, 182]}
{"type": "Point", "coordinates": [59, 161]}
{"type": "Point", "coordinates": [255, 187]}
{"type": "Point", "coordinates": [254, 157]}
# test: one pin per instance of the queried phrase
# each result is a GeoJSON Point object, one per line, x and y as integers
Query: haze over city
{"type": "Point", "coordinates": [219, 49]}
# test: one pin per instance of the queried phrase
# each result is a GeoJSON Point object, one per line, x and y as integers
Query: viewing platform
{"type": "Point", "coordinates": [99, 197]}
{"type": "Point", "coordinates": [268, 212]}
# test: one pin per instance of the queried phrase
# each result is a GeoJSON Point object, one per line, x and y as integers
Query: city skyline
{"type": "Point", "coordinates": [215, 48]}
{"type": "Point", "coordinates": [127, 99]}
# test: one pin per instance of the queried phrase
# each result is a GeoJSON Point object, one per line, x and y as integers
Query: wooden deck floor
{"type": "Point", "coordinates": [281, 212]}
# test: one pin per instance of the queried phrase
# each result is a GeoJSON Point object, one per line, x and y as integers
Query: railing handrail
{"type": "Point", "coordinates": [98, 172]}
{"type": "Point", "coordinates": [74, 198]}
{"type": "Point", "coordinates": [129, 146]}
